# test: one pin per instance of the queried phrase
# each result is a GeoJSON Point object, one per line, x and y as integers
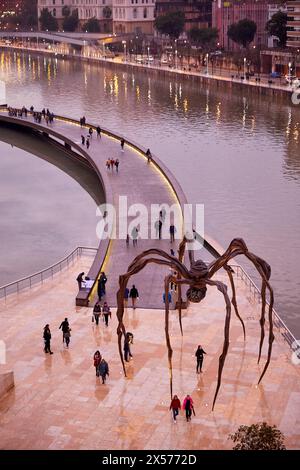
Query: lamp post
{"type": "Point", "coordinates": [245, 67]}
{"type": "Point", "coordinates": [148, 54]}
{"type": "Point", "coordinates": [289, 72]}
{"type": "Point", "coordinates": [207, 63]}
{"type": "Point", "coordinates": [176, 52]}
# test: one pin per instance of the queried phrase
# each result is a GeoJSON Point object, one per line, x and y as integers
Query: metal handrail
{"type": "Point", "coordinates": [285, 332]}
{"type": "Point", "coordinates": [41, 276]}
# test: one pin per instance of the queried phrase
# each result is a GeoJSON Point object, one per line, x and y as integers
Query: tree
{"type": "Point", "coordinates": [171, 24]}
{"type": "Point", "coordinates": [70, 23]}
{"type": "Point", "coordinates": [258, 436]}
{"type": "Point", "coordinates": [204, 37]}
{"type": "Point", "coordinates": [276, 26]}
{"type": "Point", "coordinates": [66, 11]}
{"type": "Point", "coordinates": [107, 12]}
{"type": "Point", "coordinates": [48, 21]}
{"type": "Point", "coordinates": [242, 32]}
{"type": "Point", "coordinates": [28, 16]}
{"type": "Point", "coordinates": [92, 26]}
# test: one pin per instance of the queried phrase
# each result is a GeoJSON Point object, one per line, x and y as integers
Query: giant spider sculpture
{"type": "Point", "coordinates": [198, 277]}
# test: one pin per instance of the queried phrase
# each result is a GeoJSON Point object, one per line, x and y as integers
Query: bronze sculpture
{"type": "Point", "coordinates": [198, 277]}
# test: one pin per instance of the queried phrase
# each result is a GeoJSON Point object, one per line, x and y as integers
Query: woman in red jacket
{"type": "Point", "coordinates": [97, 360]}
{"type": "Point", "coordinates": [175, 406]}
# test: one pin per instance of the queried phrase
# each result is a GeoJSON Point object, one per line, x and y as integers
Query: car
{"type": "Point", "coordinates": [216, 53]}
{"type": "Point", "coordinates": [164, 60]}
{"type": "Point", "coordinates": [275, 75]}
{"type": "Point", "coordinates": [290, 79]}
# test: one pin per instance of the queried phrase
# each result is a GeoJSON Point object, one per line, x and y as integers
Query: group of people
{"type": "Point", "coordinates": [111, 163]}
{"type": "Point", "coordinates": [66, 331]}
{"type": "Point", "coordinates": [16, 112]}
{"type": "Point", "coordinates": [101, 366]}
{"type": "Point", "coordinates": [188, 406]}
{"type": "Point", "coordinates": [105, 310]}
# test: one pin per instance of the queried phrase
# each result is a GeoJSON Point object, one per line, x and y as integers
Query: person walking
{"type": "Point", "coordinates": [87, 142]}
{"type": "Point", "coordinates": [199, 355]}
{"type": "Point", "coordinates": [127, 342]}
{"type": "Point", "coordinates": [91, 132]}
{"type": "Point", "coordinates": [127, 240]}
{"type": "Point", "coordinates": [172, 233]}
{"type": "Point", "coordinates": [103, 370]}
{"type": "Point", "coordinates": [188, 406]}
{"type": "Point", "coordinates": [126, 295]}
{"type": "Point", "coordinates": [97, 360]}
{"type": "Point", "coordinates": [108, 164]}
{"type": "Point", "coordinates": [102, 282]}
{"type": "Point", "coordinates": [112, 164]}
{"type": "Point", "coordinates": [149, 156]}
{"type": "Point", "coordinates": [175, 406]}
{"type": "Point", "coordinates": [67, 337]}
{"type": "Point", "coordinates": [134, 295]}
{"type": "Point", "coordinates": [159, 223]}
{"type": "Point", "coordinates": [117, 163]}
{"type": "Point", "coordinates": [122, 144]}
{"type": "Point", "coordinates": [98, 129]}
{"type": "Point", "coordinates": [47, 339]}
{"type": "Point", "coordinates": [79, 279]}
{"type": "Point", "coordinates": [106, 313]}
{"type": "Point", "coordinates": [134, 235]}
{"type": "Point", "coordinates": [64, 326]}
{"type": "Point", "coordinates": [169, 297]}
{"type": "Point", "coordinates": [82, 139]}
{"type": "Point", "coordinates": [97, 312]}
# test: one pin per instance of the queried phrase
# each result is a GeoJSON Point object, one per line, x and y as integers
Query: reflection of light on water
{"type": "Point", "coordinates": [218, 112]}
{"type": "Point", "coordinates": [252, 123]}
{"type": "Point", "coordinates": [180, 91]}
{"type": "Point", "coordinates": [207, 104]}
{"type": "Point", "coordinates": [138, 92]}
{"type": "Point", "coordinates": [85, 80]}
{"type": "Point", "coordinates": [49, 73]}
{"type": "Point", "coordinates": [33, 70]}
{"type": "Point", "coordinates": [245, 106]}
{"type": "Point", "coordinates": [170, 90]}
{"type": "Point", "coordinates": [116, 85]}
{"type": "Point", "coordinates": [288, 126]}
{"type": "Point", "coordinates": [149, 96]}
{"type": "Point", "coordinates": [176, 101]}
{"type": "Point", "coordinates": [185, 105]}
{"type": "Point", "coordinates": [296, 134]}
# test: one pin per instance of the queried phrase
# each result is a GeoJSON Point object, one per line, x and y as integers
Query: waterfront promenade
{"type": "Point", "coordinates": [142, 183]}
{"type": "Point", "coordinates": [57, 402]}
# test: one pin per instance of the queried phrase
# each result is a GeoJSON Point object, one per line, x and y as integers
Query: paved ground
{"type": "Point", "coordinates": [58, 403]}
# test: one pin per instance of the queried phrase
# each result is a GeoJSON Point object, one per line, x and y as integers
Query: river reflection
{"type": "Point", "coordinates": [236, 153]}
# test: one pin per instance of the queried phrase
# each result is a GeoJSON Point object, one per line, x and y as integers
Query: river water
{"type": "Point", "coordinates": [238, 155]}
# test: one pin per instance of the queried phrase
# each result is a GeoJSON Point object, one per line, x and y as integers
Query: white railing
{"type": "Point", "coordinates": [39, 277]}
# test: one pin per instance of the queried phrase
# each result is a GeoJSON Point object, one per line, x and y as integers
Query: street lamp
{"type": "Point", "coordinates": [148, 54]}
{"type": "Point", "coordinates": [245, 67]}
{"type": "Point", "coordinates": [176, 59]}
{"type": "Point", "coordinates": [206, 64]}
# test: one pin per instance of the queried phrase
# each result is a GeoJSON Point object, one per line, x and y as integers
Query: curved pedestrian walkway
{"type": "Point", "coordinates": [141, 182]}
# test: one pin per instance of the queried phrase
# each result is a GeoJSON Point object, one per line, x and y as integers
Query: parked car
{"type": "Point", "coordinates": [292, 80]}
{"type": "Point", "coordinates": [275, 75]}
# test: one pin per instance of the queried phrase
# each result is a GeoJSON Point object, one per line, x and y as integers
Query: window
{"type": "Point", "coordinates": [134, 13]}
{"type": "Point", "coordinates": [145, 13]}
{"type": "Point", "coordinates": [54, 11]}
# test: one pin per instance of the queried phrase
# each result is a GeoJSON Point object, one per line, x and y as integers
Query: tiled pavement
{"type": "Point", "coordinates": [58, 403]}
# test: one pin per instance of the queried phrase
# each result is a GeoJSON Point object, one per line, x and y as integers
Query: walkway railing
{"type": "Point", "coordinates": [41, 276]}
{"type": "Point", "coordinates": [254, 291]}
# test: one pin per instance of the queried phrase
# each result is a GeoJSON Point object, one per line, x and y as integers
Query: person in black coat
{"type": "Point", "coordinates": [199, 355]}
{"type": "Point", "coordinates": [47, 339]}
{"type": "Point", "coordinates": [101, 285]}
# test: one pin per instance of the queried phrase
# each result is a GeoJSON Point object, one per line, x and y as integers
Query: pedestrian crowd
{"type": "Point", "coordinates": [112, 163]}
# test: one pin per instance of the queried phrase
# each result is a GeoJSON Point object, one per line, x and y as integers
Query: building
{"type": "Point", "coordinates": [133, 16]}
{"type": "Point", "coordinates": [225, 13]}
{"type": "Point", "coordinates": [272, 9]}
{"type": "Point", "coordinates": [198, 13]}
{"type": "Point", "coordinates": [293, 34]}
{"type": "Point", "coordinates": [99, 9]}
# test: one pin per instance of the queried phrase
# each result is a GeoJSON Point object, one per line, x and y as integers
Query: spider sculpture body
{"type": "Point", "coordinates": [198, 278]}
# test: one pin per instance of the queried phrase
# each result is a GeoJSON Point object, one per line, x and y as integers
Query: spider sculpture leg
{"type": "Point", "coordinates": [171, 259]}
{"type": "Point", "coordinates": [223, 289]}
{"type": "Point", "coordinates": [229, 270]}
{"type": "Point", "coordinates": [239, 247]}
{"type": "Point", "coordinates": [138, 264]}
{"type": "Point", "coordinates": [168, 279]}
